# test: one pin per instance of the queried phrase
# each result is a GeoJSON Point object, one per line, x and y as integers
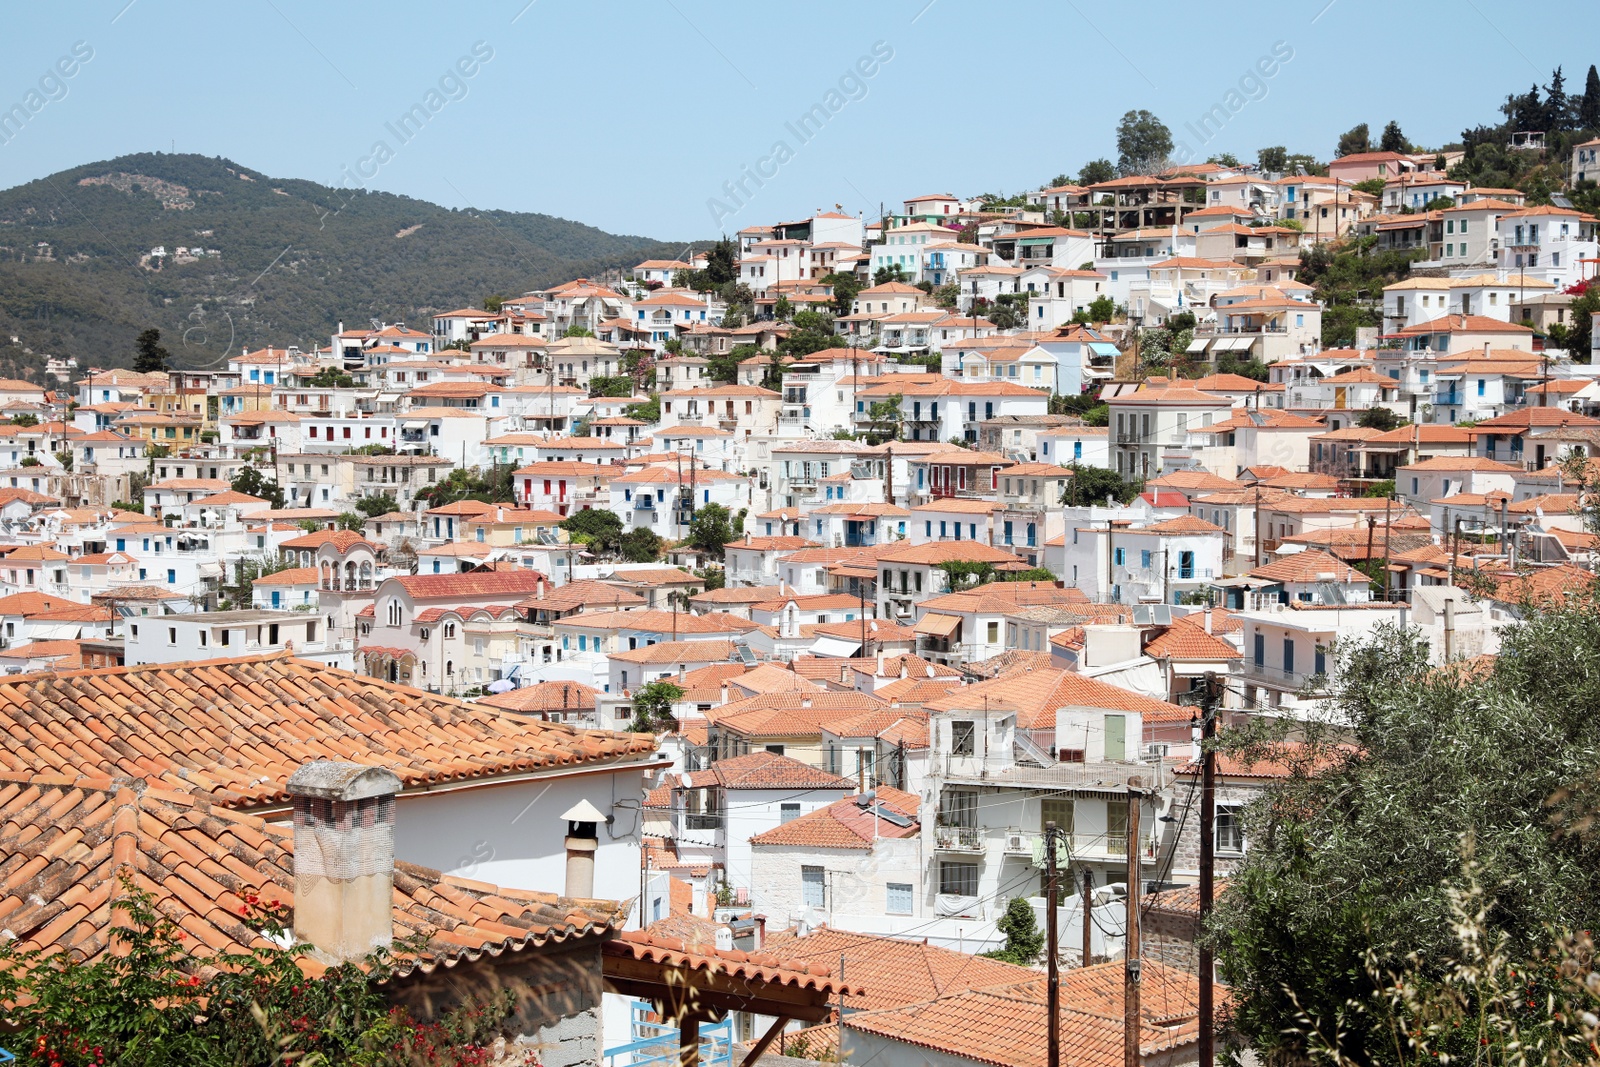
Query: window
{"type": "Point", "coordinates": [1120, 557]}
{"type": "Point", "coordinates": [813, 886]}
{"type": "Point", "coordinates": [1230, 833]}
{"type": "Point", "coordinates": [1288, 655]}
{"type": "Point", "coordinates": [1058, 810]}
{"type": "Point", "coordinates": [1116, 828]}
{"type": "Point", "coordinates": [788, 812]}
{"type": "Point", "coordinates": [994, 632]}
{"type": "Point", "coordinates": [776, 750]}
{"type": "Point", "coordinates": [899, 898]}
{"type": "Point", "coordinates": [963, 737]}
{"type": "Point", "coordinates": [958, 879]}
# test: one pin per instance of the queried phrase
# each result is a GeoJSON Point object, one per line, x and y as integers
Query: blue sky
{"type": "Point", "coordinates": [632, 116]}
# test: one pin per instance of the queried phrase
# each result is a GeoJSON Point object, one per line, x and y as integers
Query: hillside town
{"type": "Point", "coordinates": [798, 633]}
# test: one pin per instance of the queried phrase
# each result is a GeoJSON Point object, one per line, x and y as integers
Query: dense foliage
{"type": "Point", "coordinates": [295, 258]}
{"type": "Point", "coordinates": [1355, 869]}
{"type": "Point", "coordinates": [148, 1004]}
{"type": "Point", "coordinates": [1024, 940]}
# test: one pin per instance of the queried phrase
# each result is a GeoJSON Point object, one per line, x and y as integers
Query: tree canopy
{"type": "Point", "coordinates": [1355, 863]}
{"type": "Point", "coordinates": [1143, 143]}
{"type": "Point", "coordinates": [148, 355]}
{"type": "Point", "coordinates": [1354, 141]}
{"type": "Point", "coordinates": [1096, 171]}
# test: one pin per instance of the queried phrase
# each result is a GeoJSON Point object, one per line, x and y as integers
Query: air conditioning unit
{"type": "Point", "coordinates": [1018, 843]}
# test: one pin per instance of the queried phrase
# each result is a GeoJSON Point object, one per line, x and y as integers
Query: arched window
{"type": "Point", "coordinates": [449, 629]}
{"type": "Point", "coordinates": [394, 613]}
{"type": "Point", "coordinates": [449, 667]}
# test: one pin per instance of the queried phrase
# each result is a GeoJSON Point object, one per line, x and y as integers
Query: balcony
{"type": "Point", "coordinates": [958, 838]}
{"type": "Point", "coordinates": [1274, 677]}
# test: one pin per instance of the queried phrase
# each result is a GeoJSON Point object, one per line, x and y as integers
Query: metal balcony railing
{"type": "Point", "coordinates": [958, 838]}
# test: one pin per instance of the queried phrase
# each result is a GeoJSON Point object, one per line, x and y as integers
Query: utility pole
{"type": "Point", "coordinates": [1388, 502]}
{"type": "Point", "coordinates": [1130, 937]}
{"type": "Point", "coordinates": [1088, 915]}
{"type": "Point", "coordinates": [1208, 829]}
{"type": "Point", "coordinates": [1053, 983]}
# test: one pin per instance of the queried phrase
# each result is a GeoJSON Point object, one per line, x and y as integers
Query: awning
{"type": "Point", "coordinates": [835, 647]}
{"type": "Point", "coordinates": [1197, 345]}
{"type": "Point", "coordinates": [936, 625]}
{"type": "Point", "coordinates": [415, 424]}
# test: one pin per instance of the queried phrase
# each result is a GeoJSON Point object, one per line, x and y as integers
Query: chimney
{"type": "Point", "coordinates": [343, 858]}
{"type": "Point", "coordinates": [880, 663]}
{"type": "Point", "coordinates": [583, 838]}
{"type": "Point", "coordinates": [1208, 619]}
{"type": "Point", "coordinates": [761, 931]}
{"type": "Point", "coordinates": [540, 588]}
{"type": "Point", "coordinates": [1486, 348]}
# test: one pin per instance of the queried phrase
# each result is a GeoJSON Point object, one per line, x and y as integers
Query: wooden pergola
{"type": "Point", "coordinates": [693, 987]}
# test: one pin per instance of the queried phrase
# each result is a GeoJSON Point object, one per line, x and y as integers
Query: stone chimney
{"type": "Point", "coordinates": [583, 839]}
{"type": "Point", "coordinates": [343, 858]}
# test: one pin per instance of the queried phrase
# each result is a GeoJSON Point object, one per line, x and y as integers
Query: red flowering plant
{"type": "Point", "coordinates": [154, 1001]}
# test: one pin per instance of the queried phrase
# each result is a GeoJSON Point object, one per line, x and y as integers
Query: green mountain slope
{"type": "Point", "coordinates": [296, 258]}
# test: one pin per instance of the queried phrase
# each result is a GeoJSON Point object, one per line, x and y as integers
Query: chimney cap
{"type": "Point", "coordinates": [583, 811]}
{"type": "Point", "coordinates": [331, 780]}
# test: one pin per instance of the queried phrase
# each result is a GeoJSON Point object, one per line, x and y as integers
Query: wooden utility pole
{"type": "Point", "coordinates": [1052, 964]}
{"type": "Point", "coordinates": [1130, 937]}
{"type": "Point", "coordinates": [1208, 828]}
{"type": "Point", "coordinates": [1088, 916]}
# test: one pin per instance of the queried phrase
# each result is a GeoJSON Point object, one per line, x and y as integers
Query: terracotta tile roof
{"type": "Point", "coordinates": [546, 696]}
{"type": "Point", "coordinates": [343, 540]}
{"type": "Point", "coordinates": [1312, 565]}
{"type": "Point", "coordinates": [30, 604]}
{"type": "Point", "coordinates": [935, 552]}
{"type": "Point", "coordinates": [768, 770]}
{"type": "Point", "coordinates": [756, 968]}
{"type": "Point", "coordinates": [703, 651]}
{"type": "Point", "coordinates": [239, 727]}
{"type": "Point", "coordinates": [1035, 696]}
{"type": "Point", "coordinates": [582, 594]}
{"type": "Point", "coordinates": [476, 584]}
{"type": "Point", "coordinates": [659, 622]}
{"type": "Point", "coordinates": [1183, 524]}
{"type": "Point", "coordinates": [776, 543]}
{"type": "Point", "coordinates": [1186, 640]}
{"type": "Point", "coordinates": [848, 823]}
{"type": "Point", "coordinates": [291, 576]}
{"type": "Point", "coordinates": [67, 844]}
{"type": "Point", "coordinates": [1005, 1025]}
{"type": "Point", "coordinates": [770, 678]}
{"type": "Point", "coordinates": [893, 972]}
{"type": "Point", "coordinates": [1007, 596]}
{"type": "Point", "coordinates": [65, 655]}
{"type": "Point", "coordinates": [791, 714]}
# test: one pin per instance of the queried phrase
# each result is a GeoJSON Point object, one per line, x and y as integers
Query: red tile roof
{"type": "Point", "coordinates": [476, 584]}
{"type": "Point", "coordinates": [768, 770]}
{"type": "Point", "coordinates": [847, 823]}
{"type": "Point", "coordinates": [68, 845]}
{"type": "Point", "coordinates": [239, 727]}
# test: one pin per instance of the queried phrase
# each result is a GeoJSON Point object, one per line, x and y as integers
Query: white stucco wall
{"type": "Point", "coordinates": [513, 834]}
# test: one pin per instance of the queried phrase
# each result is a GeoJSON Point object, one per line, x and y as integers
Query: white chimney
{"type": "Point", "coordinates": [880, 663]}
{"type": "Point", "coordinates": [583, 839]}
{"type": "Point", "coordinates": [343, 858]}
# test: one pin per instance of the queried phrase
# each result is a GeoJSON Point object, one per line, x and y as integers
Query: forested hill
{"type": "Point", "coordinates": [293, 259]}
